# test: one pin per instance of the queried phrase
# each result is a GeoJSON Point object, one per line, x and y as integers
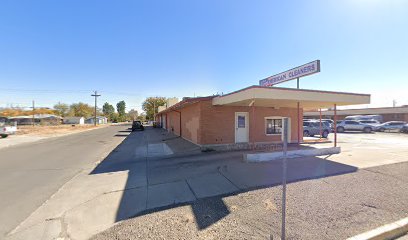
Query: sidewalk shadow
{"type": "Point", "coordinates": [208, 210]}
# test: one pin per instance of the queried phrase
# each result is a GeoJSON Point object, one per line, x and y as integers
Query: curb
{"type": "Point", "coordinates": [270, 156]}
{"type": "Point", "coordinates": [388, 231]}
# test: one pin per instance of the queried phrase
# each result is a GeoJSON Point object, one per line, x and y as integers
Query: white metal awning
{"type": "Point", "coordinates": [289, 97]}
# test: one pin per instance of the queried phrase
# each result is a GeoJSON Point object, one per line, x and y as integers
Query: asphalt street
{"type": "Point", "coordinates": [31, 173]}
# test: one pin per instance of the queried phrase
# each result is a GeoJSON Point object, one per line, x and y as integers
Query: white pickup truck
{"type": "Point", "coordinates": [7, 130]}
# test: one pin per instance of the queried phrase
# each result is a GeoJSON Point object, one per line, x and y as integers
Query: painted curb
{"type": "Point", "coordinates": [388, 231]}
{"type": "Point", "coordinates": [270, 156]}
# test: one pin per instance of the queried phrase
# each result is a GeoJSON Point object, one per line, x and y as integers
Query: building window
{"type": "Point", "coordinates": [273, 126]}
{"type": "Point", "coordinates": [241, 121]}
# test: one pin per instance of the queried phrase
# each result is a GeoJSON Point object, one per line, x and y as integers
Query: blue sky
{"type": "Point", "coordinates": [59, 51]}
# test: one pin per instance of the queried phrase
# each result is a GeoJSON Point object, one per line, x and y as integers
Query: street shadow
{"type": "Point", "coordinates": [129, 130]}
{"type": "Point", "coordinates": [145, 173]}
{"type": "Point", "coordinates": [121, 135]}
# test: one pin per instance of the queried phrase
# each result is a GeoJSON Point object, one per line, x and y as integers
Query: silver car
{"type": "Point", "coordinates": [352, 125]}
{"type": "Point", "coordinates": [372, 122]}
{"type": "Point", "coordinates": [390, 126]}
{"type": "Point", "coordinates": [311, 128]}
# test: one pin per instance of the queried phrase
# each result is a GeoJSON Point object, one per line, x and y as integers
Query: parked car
{"type": "Point", "coordinates": [353, 125]}
{"type": "Point", "coordinates": [330, 122]}
{"type": "Point", "coordinates": [364, 117]}
{"type": "Point", "coordinates": [372, 122]}
{"type": "Point", "coordinates": [390, 126]}
{"type": "Point", "coordinates": [312, 128]}
{"type": "Point", "coordinates": [137, 125]}
{"type": "Point", "coordinates": [404, 129]}
{"type": "Point", "coordinates": [308, 120]}
{"type": "Point", "coordinates": [7, 130]}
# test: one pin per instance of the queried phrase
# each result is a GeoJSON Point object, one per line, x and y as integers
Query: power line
{"type": "Point", "coordinates": [42, 90]}
{"type": "Point", "coordinates": [70, 91]}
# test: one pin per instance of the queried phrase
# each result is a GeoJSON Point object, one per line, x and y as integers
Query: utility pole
{"type": "Point", "coordinates": [33, 113]}
{"type": "Point", "coordinates": [96, 95]}
{"type": "Point", "coordinates": [284, 173]}
{"type": "Point", "coordinates": [154, 108]}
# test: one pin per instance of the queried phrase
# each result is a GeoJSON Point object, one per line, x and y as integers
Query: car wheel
{"type": "Point", "coordinates": [367, 130]}
{"type": "Point", "coordinates": [340, 129]}
{"type": "Point", "coordinates": [325, 134]}
{"type": "Point", "coordinates": [382, 130]}
{"type": "Point", "coordinates": [306, 133]}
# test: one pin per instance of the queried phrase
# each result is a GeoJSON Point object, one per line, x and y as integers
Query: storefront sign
{"type": "Point", "coordinates": [301, 71]}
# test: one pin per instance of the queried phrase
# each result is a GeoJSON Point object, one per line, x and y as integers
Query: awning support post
{"type": "Point", "coordinates": [335, 125]}
{"type": "Point", "coordinates": [298, 123]}
{"type": "Point", "coordinates": [320, 111]}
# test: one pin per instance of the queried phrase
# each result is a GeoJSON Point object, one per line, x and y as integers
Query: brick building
{"type": "Point", "coordinates": [252, 115]}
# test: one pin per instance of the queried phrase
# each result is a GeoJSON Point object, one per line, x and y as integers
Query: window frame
{"type": "Point", "coordinates": [266, 122]}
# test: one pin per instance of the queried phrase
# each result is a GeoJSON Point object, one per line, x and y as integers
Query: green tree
{"type": "Point", "coordinates": [133, 114]}
{"type": "Point", "coordinates": [121, 109]}
{"type": "Point", "coordinates": [114, 117]}
{"type": "Point", "coordinates": [81, 110]}
{"type": "Point", "coordinates": [142, 117]}
{"type": "Point", "coordinates": [61, 109]}
{"type": "Point", "coordinates": [151, 104]}
{"type": "Point", "coordinates": [108, 111]}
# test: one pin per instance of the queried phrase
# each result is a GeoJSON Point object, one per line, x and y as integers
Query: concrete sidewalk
{"type": "Point", "coordinates": [142, 174]}
{"type": "Point", "coordinates": [151, 171]}
{"type": "Point", "coordinates": [98, 197]}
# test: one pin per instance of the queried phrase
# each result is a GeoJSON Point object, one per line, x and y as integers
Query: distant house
{"type": "Point", "coordinates": [99, 120]}
{"type": "Point", "coordinates": [48, 119]}
{"type": "Point", "coordinates": [74, 120]}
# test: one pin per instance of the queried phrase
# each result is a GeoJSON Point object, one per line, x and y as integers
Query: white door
{"type": "Point", "coordinates": [241, 127]}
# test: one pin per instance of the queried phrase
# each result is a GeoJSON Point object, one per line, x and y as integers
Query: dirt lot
{"type": "Point", "coordinates": [53, 130]}
{"type": "Point", "coordinates": [29, 134]}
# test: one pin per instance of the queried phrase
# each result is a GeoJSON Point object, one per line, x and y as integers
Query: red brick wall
{"type": "Point", "coordinates": [173, 124]}
{"type": "Point", "coordinates": [190, 117]}
{"type": "Point", "coordinates": [203, 123]}
{"type": "Point", "coordinates": [218, 123]}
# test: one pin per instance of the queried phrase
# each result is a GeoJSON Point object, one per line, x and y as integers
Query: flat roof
{"type": "Point", "coordinates": [367, 111]}
{"type": "Point", "coordinates": [289, 97]}
{"type": "Point", "coordinates": [278, 97]}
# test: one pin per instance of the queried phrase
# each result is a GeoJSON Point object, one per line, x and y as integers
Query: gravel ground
{"type": "Point", "coordinates": [334, 207]}
{"type": "Point", "coordinates": [56, 130]}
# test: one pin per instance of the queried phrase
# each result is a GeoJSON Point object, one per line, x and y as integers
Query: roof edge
{"type": "Point", "coordinates": [186, 100]}
{"type": "Point", "coordinates": [293, 89]}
